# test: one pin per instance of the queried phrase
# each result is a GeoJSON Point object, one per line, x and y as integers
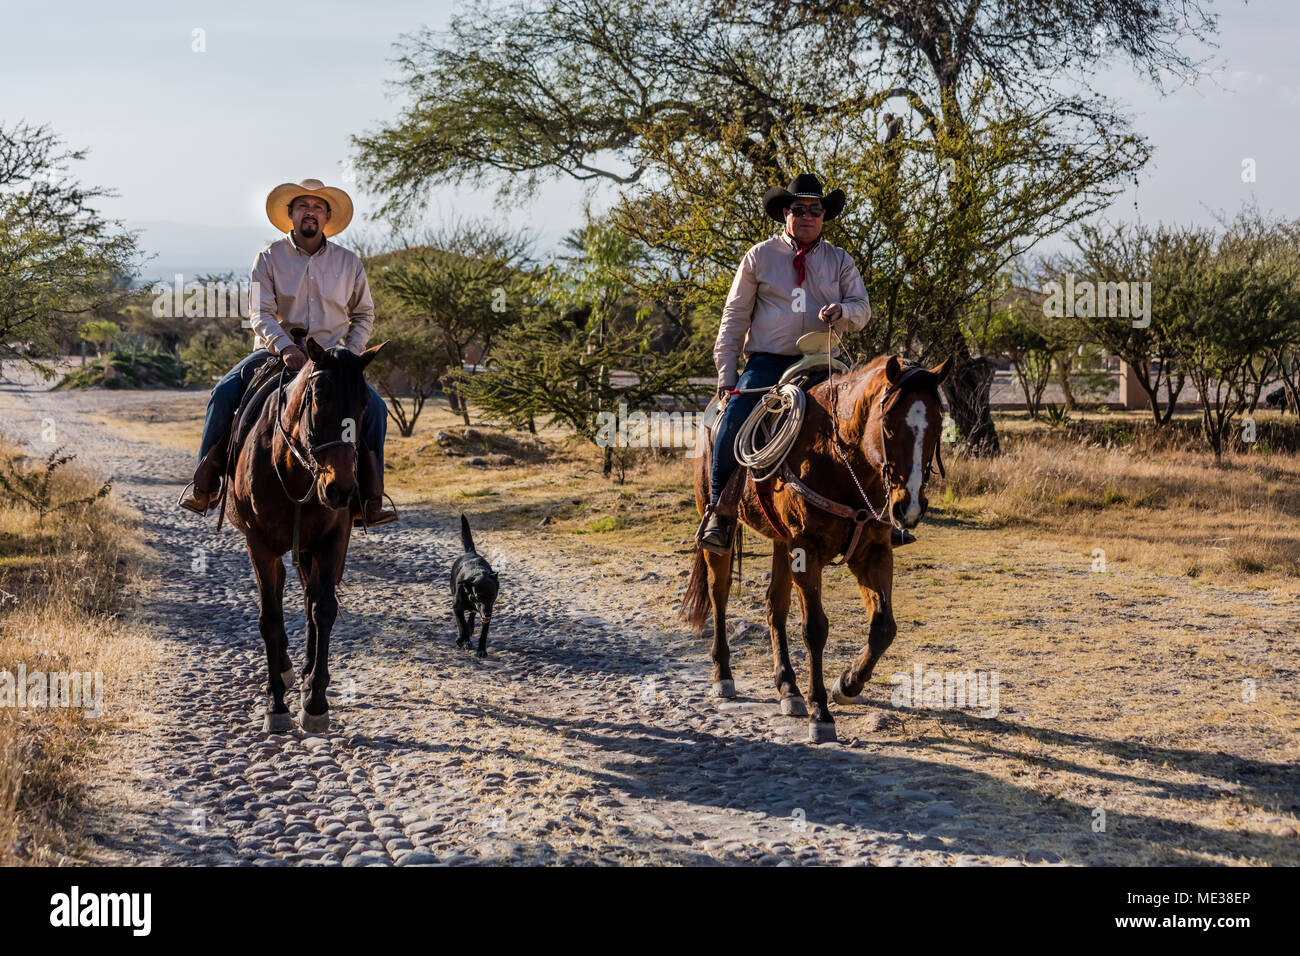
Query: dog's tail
{"type": "Point", "coordinates": [466, 542]}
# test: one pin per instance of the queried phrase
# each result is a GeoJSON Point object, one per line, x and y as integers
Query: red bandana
{"type": "Point", "coordinates": [800, 257]}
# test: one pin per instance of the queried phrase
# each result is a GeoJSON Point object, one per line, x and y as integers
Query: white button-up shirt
{"type": "Point", "coordinates": [325, 293]}
{"type": "Point", "coordinates": [766, 313]}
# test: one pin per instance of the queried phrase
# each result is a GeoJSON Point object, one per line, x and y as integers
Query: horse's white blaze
{"type": "Point", "coordinates": [916, 419]}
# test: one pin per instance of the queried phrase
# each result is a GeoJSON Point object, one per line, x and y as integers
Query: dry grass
{"type": "Point", "coordinates": [1171, 509]}
{"type": "Point", "coordinates": [60, 584]}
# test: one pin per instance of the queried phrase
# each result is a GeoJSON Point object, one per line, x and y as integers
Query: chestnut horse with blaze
{"type": "Point", "coordinates": [292, 482]}
{"type": "Point", "coordinates": [887, 418]}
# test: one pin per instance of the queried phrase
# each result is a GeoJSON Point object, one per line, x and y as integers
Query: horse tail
{"type": "Point", "coordinates": [695, 603]}
{"type": "Point", "coordinates": [466, 541]}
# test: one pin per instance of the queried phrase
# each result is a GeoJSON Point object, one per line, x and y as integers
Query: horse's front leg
{"type": "Point", "coordinates": [875, 573]}
{"type": "Point", "coordinates": [322, 611]}
{"type": "Point", "coordinates": [305, 578]}
{"type": "Point", "coordinates": [821, 725]}
{"type": "Point", "coordinates": [269, 571]}
{"type": "Point", "coordinates": [778, 612]}
{"type": "Point", "coordinates": [719, 588]}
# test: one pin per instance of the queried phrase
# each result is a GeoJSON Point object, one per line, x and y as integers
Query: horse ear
{"type": "Point", "coordinates": [940, 371]}
{"type": "Point", "coordinates": [368, 355]}
{"type": "Point", "coordinates": [315, 352]}
{"type": "Point", "coordinates": [893, 369]}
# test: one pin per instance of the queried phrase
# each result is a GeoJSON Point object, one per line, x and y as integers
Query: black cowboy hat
{"type": "Point", "coordinates": [803, 186]}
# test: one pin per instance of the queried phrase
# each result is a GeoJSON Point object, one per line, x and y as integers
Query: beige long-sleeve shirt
{"type": "Point", "coordinates": [325, 293]}
{"type": "Point", "coordinates": [765, 312]}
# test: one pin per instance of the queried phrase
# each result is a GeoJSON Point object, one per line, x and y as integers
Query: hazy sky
{"type": "Point", "coordinates": [192, 142]}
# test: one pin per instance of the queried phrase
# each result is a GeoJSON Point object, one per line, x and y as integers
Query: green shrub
{"type": "Point", "coordinates": [143, 369]}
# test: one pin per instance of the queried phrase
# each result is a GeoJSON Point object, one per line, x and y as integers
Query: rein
{"type": "Point", "coordinates": [308, 461]}
{"type": "Point", "coordinates": [860, 516]}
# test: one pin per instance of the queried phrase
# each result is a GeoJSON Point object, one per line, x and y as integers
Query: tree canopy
{"type": "Point", "coordinates": [59, 258]}
{"type": "Point", "coordinates": [963, 132]}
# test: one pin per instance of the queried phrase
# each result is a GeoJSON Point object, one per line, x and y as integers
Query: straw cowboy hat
{"type": "Point", "coordinates": [278, 199]}
{"type": "Point", "coordinates": [803, 186]}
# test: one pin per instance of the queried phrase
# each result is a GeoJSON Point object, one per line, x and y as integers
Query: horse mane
{"type": "Point", "coordinates": [862, 387]}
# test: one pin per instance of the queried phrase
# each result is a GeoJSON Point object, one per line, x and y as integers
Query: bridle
{"type": "Point", "coordinates": [307, 460]}
{"type": "Point", "coordinates": [886, 467]}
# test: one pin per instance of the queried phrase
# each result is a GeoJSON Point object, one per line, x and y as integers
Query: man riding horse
{"type": "Point", "coordinates": [790, 284]}
{"type": "Point", "coordinates": [301, 282]}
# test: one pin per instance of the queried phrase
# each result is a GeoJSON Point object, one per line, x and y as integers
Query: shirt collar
{"type": "Point", "coordinates": [303, 252]}
{"type": "Point", "coordinates": [789, 240]}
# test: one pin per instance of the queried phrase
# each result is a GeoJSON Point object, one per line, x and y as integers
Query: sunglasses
{"type": "Point", "coordinates": [800, 211]}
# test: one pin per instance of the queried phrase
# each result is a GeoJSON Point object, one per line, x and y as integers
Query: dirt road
{"type": "Point", "coordinates": [588, 736]}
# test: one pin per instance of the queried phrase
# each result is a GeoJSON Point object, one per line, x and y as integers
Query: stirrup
{"type": "Point", "coordinates": [183, 501]}
{"type": "Point", "coordinates": [704, 520]}
{"type": "Point", "coordinates": [360, 518]}
{"type": "Point", "coordinates": [719, 549]}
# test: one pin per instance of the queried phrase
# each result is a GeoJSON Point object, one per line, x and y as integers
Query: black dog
{"type": "Point", "coordinates": [474, 585]}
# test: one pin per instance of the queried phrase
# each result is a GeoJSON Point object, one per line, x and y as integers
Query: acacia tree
{"type": "Point", "coordinates": [691, 112]}
{"type": "Point", "coordinates": [1227, 298]}
{"type": "Point", "coordinates": [580, 327]}
{"type": "Point", "coordinates": [58, 257]}
{"type": "Point", "coordinates": [1105, 255]}
{"type": "Point", "coordinates": [408, 370]}
{"type": "Point", "coordinates": [100, 332]}
{"type": "Point", "coordinates": [464, 283]}
{"type": "Point", "coordinates": [1018, 329]}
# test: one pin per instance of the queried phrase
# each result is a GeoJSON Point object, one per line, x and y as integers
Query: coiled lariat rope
{"type": "Point", "coordinates": [777, 419]}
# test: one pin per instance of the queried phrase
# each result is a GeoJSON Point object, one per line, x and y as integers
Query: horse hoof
{"type": "Point", "coordinates": [821, 732]}
{"type": "Point", "coordinates": [277, 723]}
{"type": "Point", "coordinates": [288, 677]}
{"type": "Point", "coordinates": [314, 723]}
{"type": "Point", "coordinates": [793, 707]}
{"type": "Point", "coordinates": [838, 695]}
{"type": "Point", "coordinates": [724, 688]}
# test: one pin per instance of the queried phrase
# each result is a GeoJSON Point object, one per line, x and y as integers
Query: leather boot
{"type": "Point", "coordinates": [716, 536]}
{"type": "Point", "coordinates": [207, 481]}
{"type": "Point", "coordinates": [371, 479]}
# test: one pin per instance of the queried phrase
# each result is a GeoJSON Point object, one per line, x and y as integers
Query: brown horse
{"type": "Point", "coordinates": [888, 419]}
{"type": "Point", "coordinates": [293, 478]}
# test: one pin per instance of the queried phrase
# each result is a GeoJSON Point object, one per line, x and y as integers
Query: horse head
{"type": "Point", "coordinates": [327, 401]}
{"type": "Point", "coordinates": [908, 421]}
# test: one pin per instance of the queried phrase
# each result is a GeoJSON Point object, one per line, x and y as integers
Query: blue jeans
{"type": "Point", "coordinates": [224, 401]}
{"type": "Point", "coordinates": [761, 370]}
